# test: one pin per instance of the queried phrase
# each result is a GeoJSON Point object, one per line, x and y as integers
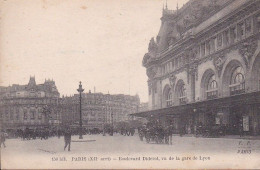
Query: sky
{"type": "Point", "coordinates": [98, 42]}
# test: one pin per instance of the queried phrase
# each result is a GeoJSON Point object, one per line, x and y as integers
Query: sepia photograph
{"type": "Point", "coordinates": [130, 84]}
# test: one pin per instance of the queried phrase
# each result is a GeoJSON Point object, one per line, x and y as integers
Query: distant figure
{"type": "Point", "coordinates": [241, 132]}
{"type": "Point", "coordinates": [169, 132]}
{"type": "Point", "coordinates": [67, 139]}
{"type": "Point", "coordinates": [59, 133]}
{"type": "Point", "coordinates": [2, 138]}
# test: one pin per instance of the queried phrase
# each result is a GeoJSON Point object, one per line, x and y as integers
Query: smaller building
{"type": "Point", "coordinates": [98, 109]}
{"type": "Point", "coordinates": [29, 106]}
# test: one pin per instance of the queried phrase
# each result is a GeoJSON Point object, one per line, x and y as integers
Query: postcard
{"type": "Point", "coordinates": [130, 84]}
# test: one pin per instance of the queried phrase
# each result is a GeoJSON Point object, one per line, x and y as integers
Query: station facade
{"type": "Point", "coordinates": [204, 66]}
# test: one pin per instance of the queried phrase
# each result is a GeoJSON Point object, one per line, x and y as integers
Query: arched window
{"type": "Point", "coordinates": [237, 82]}
{"type": "Point", "coordinates": [182, 94]}
{"type": "Point", "coordinates": [212, 87]}
{"type": "Point", "coordinates": [32, 113]}
{"type": "Point", "coordinates": [169, 98]}
{"type": "Point", "coordinates": [40, 112]}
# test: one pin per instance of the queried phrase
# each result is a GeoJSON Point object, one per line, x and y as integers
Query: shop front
{"type": "Point", "coordinates": [237, 115]}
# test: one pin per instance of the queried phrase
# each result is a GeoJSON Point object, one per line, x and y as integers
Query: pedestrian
{"type": "Point", "coordinates": [67, 139]}
{"type": "Point", "coordinates": [59, 133]}
{"type": "Point", "coordinates": [170, 133]}
{"type": "Point", "coordinates": [3, 135]}
{"type": "Point", "coordinates": [241, 132]}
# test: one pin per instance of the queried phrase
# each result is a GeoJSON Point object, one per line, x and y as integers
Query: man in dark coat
{"type": "Point", "coordinates": [67, 139]}
{"type": "Point", "coordinates": [168, 134]}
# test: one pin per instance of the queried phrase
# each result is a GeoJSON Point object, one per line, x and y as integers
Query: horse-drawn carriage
{"type": "Point", "coordinates": [155, 133]}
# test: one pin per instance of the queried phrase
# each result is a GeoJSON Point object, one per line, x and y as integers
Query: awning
{"type": "Point", "coordinates": [231, 101]}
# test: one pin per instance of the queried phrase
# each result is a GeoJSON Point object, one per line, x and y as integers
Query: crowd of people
{"type": "Point", "coordinates": [150, 132]}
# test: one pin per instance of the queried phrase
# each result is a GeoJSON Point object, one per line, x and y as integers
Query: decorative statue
{"type": "Point", "coordinates": [152, 46]}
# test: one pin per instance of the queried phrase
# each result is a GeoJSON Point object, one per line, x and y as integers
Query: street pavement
{"type": "Point", "coordinates": [49, 153]}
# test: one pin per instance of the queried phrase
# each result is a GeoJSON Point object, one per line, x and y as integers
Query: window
{"type": "Point", "coordinates": [203, 50]}
{"type": "Point", "coordinates": [212, 88]}
{"type": "Point", "coordinates": [212, 44]}
{"type": "Point", "coordinates": [173, 64]}
{"type": "Point", "coordinates": [176, 62]}
{"type": "Point", "coordinates": [182, 94]}
{"type": "Point", "coordinates": [25, 113]}
{"type": "Point", "coordinates": [11, 113]}
{"type": "Point", "coordinates": [237, 82]}
{"type": "Point", "coordinates": [219, 41]}
{"type": "Point", "coordinates": [162, 70]}
{"type": "Point", "coordinates": [208, 50]}
{"type": "Point", "coordinates": [6, 113]}
{"type": "Point", "coordinates": [17, 113]}
{"type": "Point", "coordinates": [226, 37]}
{"type": "Point", "coordinates": [40, 110]}
{"type": "Point", "coordinates": [182, 60]}
{"type": "Point", "coordinates": [169, 98]}
{"type": "Point", "coordinates": [248, 27]}
{"type": "Point", "coordinates": [241, 30]}
{"type": "Point", "coordinates": [233, 34]}
{"type": "Point", "coordinates": [32, 111]}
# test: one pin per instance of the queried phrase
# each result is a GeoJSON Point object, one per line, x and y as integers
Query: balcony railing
{"type": "Point", "coordinates": [237, 88]}
{"type": "Point", "coordinates": [212, 94]}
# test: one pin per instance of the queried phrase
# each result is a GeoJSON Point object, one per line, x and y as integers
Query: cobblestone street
{"type": "Point", "coordinates": [122, 150]}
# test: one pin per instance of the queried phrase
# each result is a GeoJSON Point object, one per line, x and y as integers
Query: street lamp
{"type": "Point", "coordinates": [80, 90]}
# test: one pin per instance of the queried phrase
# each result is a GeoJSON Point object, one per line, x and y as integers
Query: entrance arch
{"type": "Point", "coordinates": [167, 96]}
{"type": "Point", "coordinates": [209, 85]}
{"type": "Point", "coordinates": [180, 94]}
{"type": "Point", "coordinates": [233, 80]}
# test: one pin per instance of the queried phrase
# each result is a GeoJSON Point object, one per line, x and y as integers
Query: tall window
{"type": "Point", "coordinates": [6, 113]}
{"type": "Point", "coordinates": [32, 113]}
{"type": "Point", "coordinates": [219, 41]}
{"type": "Point", "coordinates": [182, 94]}
{"type": "Point", "coordinates": [24, 113]}
{"type": "Point", "coordinates": [169, 98]}
{"type": "Point", "coordinates": [212, 88]}
{"type": "Point", "coordinates": [226, 37]}
{"type": "Point", "coordinates": [241, 30]}
{"type": "Point", "coordinates": [233, 34]}
{"type": "Point", "coordinates": [248, 25]}
{"type": "Point", "coordinates": [11, 113]}
{"type": "Point", "coordinates": [203, 50]}
{"type": "Point", "coordinates": [208, 50]}
{"type": "Point", "coordinates": [212, 44]}
{"type": "Point", "coordinates": [237, 82]}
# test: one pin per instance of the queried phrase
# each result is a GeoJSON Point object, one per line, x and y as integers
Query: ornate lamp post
{"type": "Point", "coordinates": [80, 90]}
